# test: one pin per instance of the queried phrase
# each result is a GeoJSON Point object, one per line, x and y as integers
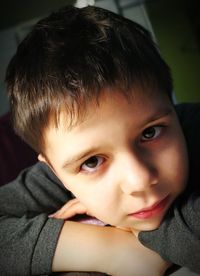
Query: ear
{"type": "Point", "coordinates": [41, 158]}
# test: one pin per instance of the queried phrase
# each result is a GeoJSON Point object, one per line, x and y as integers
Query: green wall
{"type": "Point", "coordinates": [176, 37]}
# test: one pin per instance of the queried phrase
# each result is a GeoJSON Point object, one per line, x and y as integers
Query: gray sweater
{"type": "Point", "coordinates": [28, 237]}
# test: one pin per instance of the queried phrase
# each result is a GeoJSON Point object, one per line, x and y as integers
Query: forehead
{"type": "Point", "coordinates": [75, 112]}
{"type": "Point", "coordinates": [137, 105]}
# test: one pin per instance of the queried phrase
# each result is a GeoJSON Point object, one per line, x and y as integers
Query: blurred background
{"type": "Point", "coordinates": [175, 25]}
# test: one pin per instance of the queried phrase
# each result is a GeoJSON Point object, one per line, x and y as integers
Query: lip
{"type": "Point", "coordinates": [156, 209]}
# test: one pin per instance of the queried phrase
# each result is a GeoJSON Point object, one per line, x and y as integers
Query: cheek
{"type": "Point", "coordinates": [99, 204]}
{"type": "Point", "coordinates": [96, 197]}
{"type": "Point", "coordinates": [175, 165]}
{"type": "Point", "coordinates": [102, 205]}
{"type": "Point", "coordinates": [182, 160]}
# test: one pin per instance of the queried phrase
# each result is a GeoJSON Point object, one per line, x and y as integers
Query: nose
{"type": "Point", "coordinates": [139, 174]}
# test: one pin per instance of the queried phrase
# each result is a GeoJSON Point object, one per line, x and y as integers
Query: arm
{"type": "Point", "coordinates": [28, 237]}
{"type": "Point", "coordinates": [113, 251]}
{"type": "Point", "coordinates": [104, 249]}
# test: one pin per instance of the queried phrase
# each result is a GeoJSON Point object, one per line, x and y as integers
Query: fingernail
{"type": "Point", "coordinates": [52, 215]}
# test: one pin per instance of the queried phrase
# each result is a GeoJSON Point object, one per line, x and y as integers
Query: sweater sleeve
{"type": "Point", "coordinates": [178, 237]}
{"type": "Point", "coordinates": [28, 237]}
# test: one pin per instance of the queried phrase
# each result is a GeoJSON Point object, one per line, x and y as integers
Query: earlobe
{"type": "Point", "coordinates": [41, 158]}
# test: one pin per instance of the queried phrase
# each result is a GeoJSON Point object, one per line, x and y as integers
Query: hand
{"type": "Point", "coordinates": [70, 209]}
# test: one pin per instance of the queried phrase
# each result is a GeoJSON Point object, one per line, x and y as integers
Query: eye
{"type": "Point", "coordinates": [151, 133]}
{"type": "Point", "coordinates": [92, 164]}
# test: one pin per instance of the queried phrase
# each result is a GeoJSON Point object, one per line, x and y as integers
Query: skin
{"type": "Point", "coordinates": [84, 247]}
{"type": "Point", "coordinates": [125, 156]}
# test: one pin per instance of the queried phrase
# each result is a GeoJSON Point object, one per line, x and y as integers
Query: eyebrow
{"type": "Point", "coordinates": [79, 156]}
{"type": "Point", "coordinates": [85, 153]}
{"type": "Point", "coordinates": [159, 114]}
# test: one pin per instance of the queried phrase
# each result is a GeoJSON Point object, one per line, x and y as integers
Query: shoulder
{"type": "Point", "coordinates": [42, 171]}
{"type": "Point", "coordinates": [189, 116]}
{"type": "Point", "coordinates": [35, 190]}
{"type": "Point", "coordinates": [188, 113]}
{"type": "Point", "coordinates": [38, 177]}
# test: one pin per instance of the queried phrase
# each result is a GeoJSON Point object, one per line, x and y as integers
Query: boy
{"type": "Point", "coordinates": [125, 163]}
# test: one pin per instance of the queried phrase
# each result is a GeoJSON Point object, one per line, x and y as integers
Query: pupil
{"type": "Point", "coordinates": [92, 162]}
{"type": "Point", "coordinates": [149, 133]}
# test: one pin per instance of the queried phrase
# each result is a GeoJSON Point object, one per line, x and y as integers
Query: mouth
{"type": "Point", "coordinates": [154, 210]}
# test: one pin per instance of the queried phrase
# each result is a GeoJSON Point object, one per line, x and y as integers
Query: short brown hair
{"type": "Point", "coordinates": [69, 57]}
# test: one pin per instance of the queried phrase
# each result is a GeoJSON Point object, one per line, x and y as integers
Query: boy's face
{"type": "Point", "coordinates": [126, 161]}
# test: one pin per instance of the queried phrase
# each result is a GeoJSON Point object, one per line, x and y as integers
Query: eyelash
{"type": "Point", "coordinates": [100, 160]}
{"type": "Point", "coordinates": [158, 131]}
{"type": "Point", "coordinates": [91, 170]}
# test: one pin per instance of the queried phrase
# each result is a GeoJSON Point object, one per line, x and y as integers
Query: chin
{"type": "Point", "coordinates": [148, 226]}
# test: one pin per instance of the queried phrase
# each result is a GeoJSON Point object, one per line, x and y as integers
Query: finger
{"type": "Point", "coordinates": [69, 210]}
{"type": "Point", "coordinates": [67, 205]}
